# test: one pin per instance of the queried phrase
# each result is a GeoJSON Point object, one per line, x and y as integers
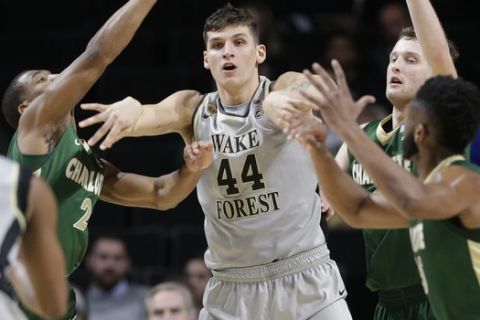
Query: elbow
{"type": "Point", "coordinates": [165, 201]}
{"type": "Point", "coordinates": [164, 206]}
{"type": "Point", "coordinates": [410, 205]}
{"type": "Point", "coordinates": [354, 216]}
{"type": "Point", "coordinates": [97, 55]}
{"type": "Point", "coordinates": [355, 221]}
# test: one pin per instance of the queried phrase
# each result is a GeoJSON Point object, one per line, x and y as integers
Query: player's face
{"type": "Point", "coordinates": [35, 82]}
{"type": "Point", "coordinates": [167, 305]}
{"type": "Point", "coordinates": [407, 71]}
{"type": "Point", "coordinates": [108, 262]}
{"type": "Point", "coordinates": [232, 56]}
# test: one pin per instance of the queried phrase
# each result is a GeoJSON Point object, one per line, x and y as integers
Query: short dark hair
{"type": "Point", "coordinates": [228, 15]}
{"type": "Point", "coordinates": [453, 108]}
{"type": "Point", "coordinates": [408, 33]}
{"type": "Point", "coordinates": [12, 98]}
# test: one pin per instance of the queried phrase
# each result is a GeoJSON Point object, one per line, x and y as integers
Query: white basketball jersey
{"type": "Point", "coordinates": [259, 194]}
{"type": "Point", "coordinates": [12, 224]}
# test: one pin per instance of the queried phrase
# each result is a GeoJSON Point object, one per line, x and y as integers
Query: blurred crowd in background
{"type": "Point", "coordinates": [145, 262]}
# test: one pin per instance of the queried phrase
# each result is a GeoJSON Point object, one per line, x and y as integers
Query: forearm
{"type": "Point", "coordinates": [117, 32]}
{"type": "Point", "coordinates": [431, 37]}
{"type": "Point", "coordinates": [172, 114]}
{"type": "Point", "coordinates": [176, 186]}
{"type": "Point", "coordinates": [155, 120]}
{"type": "Point", "coordinates": [162, 193]}
{"type": "Point", "coordinates": [354, 204]}
{"type": "Point", "coordinates": [396, 184]}
{"type": "Point", "coordinates": [343, 194]}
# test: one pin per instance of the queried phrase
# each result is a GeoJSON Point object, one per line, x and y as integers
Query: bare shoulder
{"type": "Point", "coordinates": [290, 80]}
{"type": "Point", "coordinates": [458, 177]}
{"type": "Point", "coordinates": [185, 101]}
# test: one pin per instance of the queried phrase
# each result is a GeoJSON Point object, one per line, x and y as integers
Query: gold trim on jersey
{"type": "Point", "coordinates": [385, 137]}
{"type": "Point", "coordinates": [443, 164]}
{"type": "Point", "coordinates": [474, 249]}
{"type": "Point", "coordinates": [13, 197]}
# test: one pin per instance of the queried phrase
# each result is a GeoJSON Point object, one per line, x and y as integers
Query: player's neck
{"type": "Point", "coordinates": [427, 160]}
{"type": "Point", "coordinates": [398, 116]}
{"type": "Point", "coordinates": [236, 95]}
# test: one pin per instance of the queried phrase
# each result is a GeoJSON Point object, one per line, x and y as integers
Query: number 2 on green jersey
{"type": "Point", "coordinates": [82, 223]}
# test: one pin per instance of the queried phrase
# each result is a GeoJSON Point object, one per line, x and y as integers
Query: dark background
{"type": "Point", "coordinates": [165, 56]}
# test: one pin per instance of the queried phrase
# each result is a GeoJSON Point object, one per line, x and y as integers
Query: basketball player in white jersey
{"type": "Point", "coordinates": [266, 252]}
{"type": "Point", "coordinates": [30, 256]}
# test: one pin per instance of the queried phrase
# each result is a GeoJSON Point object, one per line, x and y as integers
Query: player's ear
{"type": "Point", "coordinates": [261, 53]}
{"type": "Point", "coordinates": [420, 132]}
{"type": "Point", "coordinates": [205, 60]}
{"type": "Point", "coordinates": [22, 106]}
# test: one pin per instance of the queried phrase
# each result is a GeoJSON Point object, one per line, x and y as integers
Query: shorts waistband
{"type": "Point", "coordinates": [277, 269]}
{"type": "Point", "coordinates": [402, 296]}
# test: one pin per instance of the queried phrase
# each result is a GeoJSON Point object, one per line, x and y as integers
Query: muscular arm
{"type": "Point", "coordinates": [284, 98]}
{"type": "Point", "coordinates": [173, 114]}
{"type": "Point", "coordinates": [357, 207]}
{"type": "Point", "coordinates": [163, 193]}
{"type": "Point", "coordinates": [431, 37]}
{"type": "Point", "coordinates": [53, 107]}
{"type": "Point", "coordinates": [42, 256]}
{"type": "Point", "coordinates": [291, 81]}
{"type": "Point", "coordinates": [128, 118]}
{"type": "Point", "coordinates": [441, 199]}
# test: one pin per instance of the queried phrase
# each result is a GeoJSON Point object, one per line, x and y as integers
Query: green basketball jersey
{"type": "Point", "coordinates": [390, 263]}
{"type": "Point", "coordinates": [75, 175]}
{"type": "Point", "coordinates": [448, 258]}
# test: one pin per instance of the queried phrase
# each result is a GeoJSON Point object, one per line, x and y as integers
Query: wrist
{"type": "Point", "coordinates": [349, 132]}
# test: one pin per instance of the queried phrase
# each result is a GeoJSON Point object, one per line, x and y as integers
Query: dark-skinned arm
{"type": "Point", "coordinates": [61, 96]}
{"type": "Point", "coordinates": [41, 254]}
{"type": "Point", "coordinates": [133, 190]}
{"type": "Point", "coordinates": [164, 192]}
{"type": "Point", "coordinates": [407, 194]}
{"type": "Point", "coordinates": [357, 207]}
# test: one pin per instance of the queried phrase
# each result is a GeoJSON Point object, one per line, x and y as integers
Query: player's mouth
{"type": "Point", "coordinates": [394, 80]}
{"type": "Point", "coordinates": [229, 67]}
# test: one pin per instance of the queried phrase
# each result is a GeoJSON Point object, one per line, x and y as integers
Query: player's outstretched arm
{"type": "Point", "coordinates": [43, 287]}
{"type": "Point", "coordinates": [129, 118]}
{"type": "Point", "coordinates": [164, 192]}
{"type": "Point", "coordinates": [61, 96]}
{"type": "Point", "coordinates": [357, 207]}
{"type": "Point", "coordinates": [431, 37]}
{"type": "Point", "coordinates": [406, 193]}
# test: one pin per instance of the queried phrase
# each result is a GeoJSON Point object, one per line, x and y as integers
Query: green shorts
{"type": "Point", "coordinates": [400, 304]}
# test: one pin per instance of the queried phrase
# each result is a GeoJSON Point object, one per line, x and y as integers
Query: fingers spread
{"type": "Point", "coordinates": [92, 120]}
{"type": "Point", "coordinates": [317, 101]}
{"type": "Point", "coordinates": [94, 106]}
{"type": "Point", "coordinates": [365, 100]}
{"type": "Point", "coordinates": [340, 76]}
{"type": "Point", "coordinates": [325, 81]}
